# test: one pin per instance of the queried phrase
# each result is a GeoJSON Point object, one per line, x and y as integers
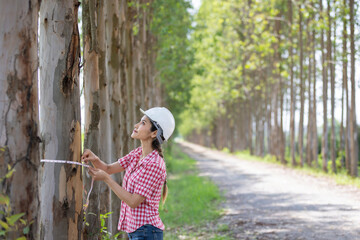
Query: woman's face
{"type": "Point", "coordinates": [142, 130]}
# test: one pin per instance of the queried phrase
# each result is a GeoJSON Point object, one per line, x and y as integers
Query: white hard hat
{"type": "Point", "coordinates": [163, 118]}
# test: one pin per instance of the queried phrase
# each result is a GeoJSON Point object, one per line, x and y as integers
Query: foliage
{"type": "Point", "coordinates": [247, 56]}
{"type": "Point", "coordinates": [11, 222]}
{"type": "Point", "coordinates": [233, 45]}
{"type": "Point", "coordinates": [171, 25]}
{"type": "Point", "coordinates": [105, 234]}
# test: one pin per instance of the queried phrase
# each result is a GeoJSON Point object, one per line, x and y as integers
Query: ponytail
{"type": "Point", "coordinates": [164, 192]}
{"type": "Point", "coordinates": [157, 146]}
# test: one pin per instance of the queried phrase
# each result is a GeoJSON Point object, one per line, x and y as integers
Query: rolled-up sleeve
{"type": "Point", "coordinates": [125, 161]}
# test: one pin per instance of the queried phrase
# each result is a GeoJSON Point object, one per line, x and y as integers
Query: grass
{"type": "Point", "coordinates": [341, 178]}
{"type": "Point", "coordinates": [192, 203]}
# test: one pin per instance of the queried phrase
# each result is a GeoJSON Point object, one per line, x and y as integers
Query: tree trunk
{"type": "Point", "coordinates": [314, 121]}
{"type": "Point", "coordinates": [345, 86]}
{"type": "Point", "coordinates": [325, 85]}
{"type": "Point", "coordinates": [105, 135]}
{"type": "Point", "coordinates": [92, 111]}
{"type": "Point", "coordinates": [292, 90]}
{"type": "Point", "coordinates": [130, 83]}
{"type": "Point", "coordinates": [302, 90]}
{"type": "Point", "coordinates": [113, 57]}
{"type": "Point", "coordinates": [344, 79]}
{"type": "Point", "coordinates": [19, 141]}
{"type": "Point", "coordinates": [309, 135]}
{"type": "Point", "coordinates": [61, 214]}
{"type": "Point", "coordinates": [250, 129]}
{"type": "Point", "coordinates": [353, 128]}
{"type": "Point", "coordinates": [332, 81]}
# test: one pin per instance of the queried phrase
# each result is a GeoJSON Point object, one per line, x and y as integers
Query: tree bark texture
{"type": "Point", "coordinates": [292, 90]}
{"type": "Point", "coordinates": [324, 144]}
{"type": "Point", "coordinates": [353, 128]}
{"type": "Point", "coordinates": [61, 187]}
{"type": "Point", "coordinates": [302, 91]}
{"type": "Point", "coordinates": [314, 121]}
{"type": "Point", "coordinates": [19, 111]}
{"type": "Point", "coordinates": [331, 67]}
{"type": "Point", "coordinates": [92, 111]}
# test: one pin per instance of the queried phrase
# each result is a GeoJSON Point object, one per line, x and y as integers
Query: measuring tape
{"type": "Point", "coordinates": [64, 161]}
{"type": "Point", "coordinates": [77, 163]}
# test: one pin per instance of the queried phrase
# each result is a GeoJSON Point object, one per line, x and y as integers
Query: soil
{"type": "Point", "coordinates": [269, 201]}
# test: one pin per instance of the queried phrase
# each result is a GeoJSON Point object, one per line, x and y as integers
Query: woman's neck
{"type": "Point", "coordinates": [146, 148]}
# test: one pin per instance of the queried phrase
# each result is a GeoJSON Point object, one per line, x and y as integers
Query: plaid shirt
{"type": "Point", "coordinates": [145, 178]}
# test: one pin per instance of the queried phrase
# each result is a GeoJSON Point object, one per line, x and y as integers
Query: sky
{"type": "Point", "coordinates": [196, 5]}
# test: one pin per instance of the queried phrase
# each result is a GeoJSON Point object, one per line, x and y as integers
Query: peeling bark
{"type": "Point", "coordinates": [60, 185]}
{"type": "Point", "coordinates": [92, 114]}
{"type": "Point", "coordinates": [19, 111]}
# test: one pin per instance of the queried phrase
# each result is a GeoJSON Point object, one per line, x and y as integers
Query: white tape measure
{"type": "Point", "coordinates": [77, 163]}
{"type": "Point", "coordinates": [64, 162]}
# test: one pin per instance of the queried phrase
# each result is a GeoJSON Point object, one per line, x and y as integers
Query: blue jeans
{"type": "Point", "coordinates": [146, 232]}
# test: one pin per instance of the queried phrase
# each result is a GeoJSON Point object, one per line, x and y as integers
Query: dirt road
{"type": "Point", "coordinates": [266, 201]}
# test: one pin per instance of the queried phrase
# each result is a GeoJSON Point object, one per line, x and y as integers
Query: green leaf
{"type": "Point", "coordinates": [21, 238]}
{"type": "Point", "coordinates": [14, 218]}
{"type": "Point", "coordinates": [26, 230]}
{"type": "Point", "coordinates": [4, 225]}
{"type": "Point", "coordinates": [2, 233]}
{"type": "Point", "coordinates": [10, 173]}
{"type": "Point", "coordinates": [4, 200]}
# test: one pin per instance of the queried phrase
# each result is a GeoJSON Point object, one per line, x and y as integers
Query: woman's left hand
{"type": "Point", "coordinates": [98, 174]}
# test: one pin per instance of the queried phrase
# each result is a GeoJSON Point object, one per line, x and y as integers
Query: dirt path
{"type": "Point", "coordinates": [266, 201]}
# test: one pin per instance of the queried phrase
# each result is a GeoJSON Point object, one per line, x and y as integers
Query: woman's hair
{"type": "Point", "coordinates": [157, 146]}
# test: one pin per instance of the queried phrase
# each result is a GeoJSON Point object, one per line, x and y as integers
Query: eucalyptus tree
{"type": "Point", "coordinates": [352, 121]}
{"type": "Point", "coordinates": [91, 13]}
{"type": "Point", "coordinates": [60, 185]}
{"type": "Point", "coordinates": [19, 116]}
{"type": "Point", "coordinates": [302, 87]}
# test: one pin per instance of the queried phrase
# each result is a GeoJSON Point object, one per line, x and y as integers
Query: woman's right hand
{"type": "Point", "coordinates": [88, 155]}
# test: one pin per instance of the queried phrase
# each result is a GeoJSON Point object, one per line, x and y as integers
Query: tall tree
{"type": "Point", "coordinates": [302, 87]}
{"type": "Point", "coordinates": [345, 85]}
{"type": "Point", "coordinates": [331, 67]}
{"type": "Point", "coordinates": [292, 90]}
{"type": "Point", "coordinates": [19, 122]}
{"type": "Point", "coordinates": [60, 185]}
{"type": "Point", "coordinates": [113, 58]}
{"type": "Point", "coordinates": [325, 86]}
{"type": "Point", "coordinates": [314, 118]}
{"type": "Point", "coordinates": [92, 107]}
{"type": "Point", "coordinates": [353, 128]}
{"type": "Point", "coordinates": [309, 135]}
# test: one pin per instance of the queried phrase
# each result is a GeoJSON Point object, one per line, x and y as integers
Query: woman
{"type": "Point", "coordinates": [144, 177]}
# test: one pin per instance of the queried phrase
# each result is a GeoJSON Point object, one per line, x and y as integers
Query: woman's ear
{"type": "Point", "coordinates": [153, 134]}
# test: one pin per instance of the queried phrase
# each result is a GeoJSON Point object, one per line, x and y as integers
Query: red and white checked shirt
{"type": "Point", "coordinates": [145, 178]}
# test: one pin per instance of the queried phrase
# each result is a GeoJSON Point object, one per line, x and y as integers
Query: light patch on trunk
{"type": "Point", "coordinates": [62, 183]}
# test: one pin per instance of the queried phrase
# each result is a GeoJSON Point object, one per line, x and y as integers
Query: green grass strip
{"type": "Point", "coordinates": [192, 200]}
{"type": "Point", "coordinates": [341, 177]}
